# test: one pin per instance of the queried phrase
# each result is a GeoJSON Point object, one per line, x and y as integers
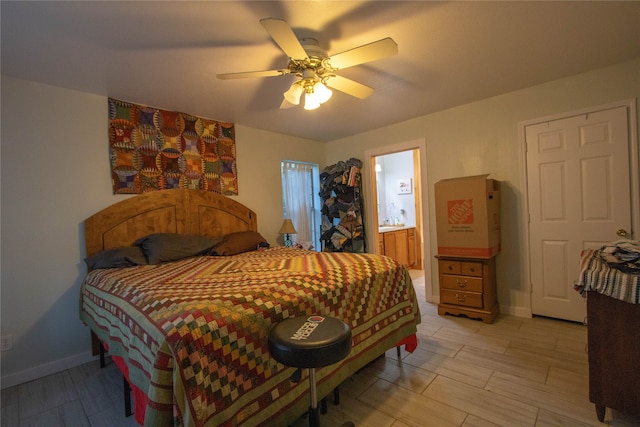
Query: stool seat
{"type": "Point", "coordinates": [310, 342]}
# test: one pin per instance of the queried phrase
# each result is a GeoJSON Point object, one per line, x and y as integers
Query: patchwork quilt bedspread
{"type": "Point", "coordinates": [194, 332]}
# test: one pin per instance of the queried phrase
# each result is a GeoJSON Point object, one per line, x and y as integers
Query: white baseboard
{"type": "Point", "coordinates": [516, 311]}
{"type": "Point", "coordinates": [504, 309]}
{"type": "Point", "coordinates": [46, 369]}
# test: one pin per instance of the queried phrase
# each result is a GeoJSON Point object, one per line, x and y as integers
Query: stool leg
{"type": "Point", "coordinates": [314, 417]}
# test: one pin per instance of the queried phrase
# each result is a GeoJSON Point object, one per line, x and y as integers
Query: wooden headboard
{"type": "Point", "coordinates": [166, 211]}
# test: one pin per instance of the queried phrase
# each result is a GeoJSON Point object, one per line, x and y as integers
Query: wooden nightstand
{"type": "Point", "coordinates": [468, 287]}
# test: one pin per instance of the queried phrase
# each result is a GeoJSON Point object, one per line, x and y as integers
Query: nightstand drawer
{"type": "Point", "coordinates": [468, 299]}
{"type": "Point", "coordinates": [449, 267]}
{"type": "Point", "coordinates": [471, 268]}
{"type": "Point", "coordinates": [461, 283]}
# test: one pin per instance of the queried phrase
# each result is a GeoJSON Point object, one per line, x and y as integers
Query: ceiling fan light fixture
{"type": "Point", "coordinates": [294, 93]}
{"type": "Point", "coordinates": [322, 92]}
{"type": "Point", "coordinates": [315, 92]}
{"type": "Point", "coordinates": [311, 101]}
{"type": "Point", "coordinates": [310, 62]}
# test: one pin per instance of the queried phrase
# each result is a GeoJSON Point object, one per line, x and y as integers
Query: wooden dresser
{"type": "Point", "coordinates": [614, 351]}
{"type": "Point", "coordinates": [468, 287]}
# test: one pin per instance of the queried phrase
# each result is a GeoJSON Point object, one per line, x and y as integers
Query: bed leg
{"type": "Point", "coordinates": [127, 397]}
{"type": "Point", "coordinates": [336, 400]}
{"type": "Point", "coordinates": [102, 354]}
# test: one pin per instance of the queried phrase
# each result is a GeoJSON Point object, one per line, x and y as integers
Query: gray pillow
{"type": "Point", "coordinates": [165, 247]}
{"type": "Point", "coordinates": [116, 258]}
{"type": "Point", "coordinates": [236, 243]}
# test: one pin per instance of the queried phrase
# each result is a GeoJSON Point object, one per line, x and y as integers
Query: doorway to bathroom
{"type": "Point", "coordinates": [396, 209]}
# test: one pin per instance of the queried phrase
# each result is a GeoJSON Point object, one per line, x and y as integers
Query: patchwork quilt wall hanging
{"type": "Point", "coordinates": [153, 149]}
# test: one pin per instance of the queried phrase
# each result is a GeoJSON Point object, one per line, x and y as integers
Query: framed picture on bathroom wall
{"type": "Point", "coordinates": [404, 186]}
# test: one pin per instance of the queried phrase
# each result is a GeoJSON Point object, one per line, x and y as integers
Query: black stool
{"type": "Point", "coordinates": [310, 342]}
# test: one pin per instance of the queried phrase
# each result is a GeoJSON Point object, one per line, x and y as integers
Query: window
{"type": "Point", "coordinates": [300, 201]}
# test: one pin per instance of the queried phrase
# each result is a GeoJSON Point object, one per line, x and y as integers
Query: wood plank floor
{"type": "Point", "coordinates": [515, 372]}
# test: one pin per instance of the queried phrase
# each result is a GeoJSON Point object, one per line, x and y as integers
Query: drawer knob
{"type": "Point", "coordinates": [461, 298]}
{"type": "Point", "coordinates": [450, 268]}
{"type": "Point", "coordinates": [461, 283]}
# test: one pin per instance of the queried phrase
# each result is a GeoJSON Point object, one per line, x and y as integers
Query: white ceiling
{"type": "Point", "coordinates": [167, 54]}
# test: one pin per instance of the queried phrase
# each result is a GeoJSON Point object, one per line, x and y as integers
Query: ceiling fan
{"type": "Point", "coordinates": [316, 70]}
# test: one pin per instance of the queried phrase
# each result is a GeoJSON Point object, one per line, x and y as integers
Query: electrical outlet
{"type": "Point", "coordinates": [6, 342]}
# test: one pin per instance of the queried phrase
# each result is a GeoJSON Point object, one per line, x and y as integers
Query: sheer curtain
{"type": "Point", "coordinates": [297, 185]}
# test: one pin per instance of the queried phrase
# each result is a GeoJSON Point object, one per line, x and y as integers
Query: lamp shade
{"type": "Point", "coordinates": [322, 92]}
{"type": "Point", "coordinates": [287, 227]}
{"type": "Point", "coordinates": [310, 101]}
{"type": "Point", "coordinates": [293, 94]}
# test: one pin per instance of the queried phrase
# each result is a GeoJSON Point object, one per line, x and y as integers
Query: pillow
{"type": "Point", "coordinates": [116, 257]}
{"type": "Point", "coordinates": [236, 243]}
{"type": "Point", "coordinates": [165, 247]}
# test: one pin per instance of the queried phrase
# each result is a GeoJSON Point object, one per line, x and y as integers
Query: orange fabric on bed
{"type": "Point", "coordinates": [410, 343]}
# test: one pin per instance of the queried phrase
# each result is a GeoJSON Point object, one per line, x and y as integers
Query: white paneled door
{"type": "Point", "coordinates": [578, 179]}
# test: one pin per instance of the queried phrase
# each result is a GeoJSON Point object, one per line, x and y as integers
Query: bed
{"type": "Point", "coordinates": [610, 280]}
{"type": "Point", "coordinates": [190, 335]}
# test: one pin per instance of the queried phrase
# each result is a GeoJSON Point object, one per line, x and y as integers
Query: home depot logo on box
{"type": "Point", "coordinates": [468, 216]}
{"type": "Point", "coordinates": [460, 211]}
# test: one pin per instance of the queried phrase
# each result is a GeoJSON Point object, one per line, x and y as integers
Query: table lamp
{"type": "Point", "coordinates": [287, 229]}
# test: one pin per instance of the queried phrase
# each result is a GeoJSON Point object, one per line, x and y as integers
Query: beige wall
{"type": "Point", "coordinates": [482, 137]}
{"type": "Point", "coordinates": [260, 185]}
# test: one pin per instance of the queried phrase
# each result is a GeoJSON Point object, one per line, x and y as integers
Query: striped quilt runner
{"type": "Point", "coordinates": [596, 275]}
{"type": "Point", "coordinates": [194, 332]}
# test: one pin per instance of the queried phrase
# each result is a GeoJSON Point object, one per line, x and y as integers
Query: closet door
{"type": "Point", "coordinates": [579, 189]}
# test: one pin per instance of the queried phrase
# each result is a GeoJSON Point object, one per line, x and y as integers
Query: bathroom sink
{"type": "Point", "coordinates": [389, 227]}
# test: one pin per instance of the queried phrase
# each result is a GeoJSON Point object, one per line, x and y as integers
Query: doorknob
{"type": "Point", "coordinates": [622, 232]}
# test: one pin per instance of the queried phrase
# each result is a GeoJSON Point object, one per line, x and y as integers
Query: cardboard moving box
{"type": "Point", "coordinates": [468, 216]}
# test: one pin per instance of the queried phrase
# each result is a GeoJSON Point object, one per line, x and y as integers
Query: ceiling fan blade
{"type": "Point", "coordinates": [251, 74]}
{"type": "Point", "coordinates": [285, 105]}
{"type": "Point", "coordinates": [365, 53]}
{"type": "Point", "coordinates": [349, 87]}
{"type": "Point", "coordinates": [283, 35]}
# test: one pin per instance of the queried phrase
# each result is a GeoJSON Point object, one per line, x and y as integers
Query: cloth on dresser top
{"type": "Point", "coordinates": [623, 255]}
{"type": "Point", "coordinates": [597, 274]}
